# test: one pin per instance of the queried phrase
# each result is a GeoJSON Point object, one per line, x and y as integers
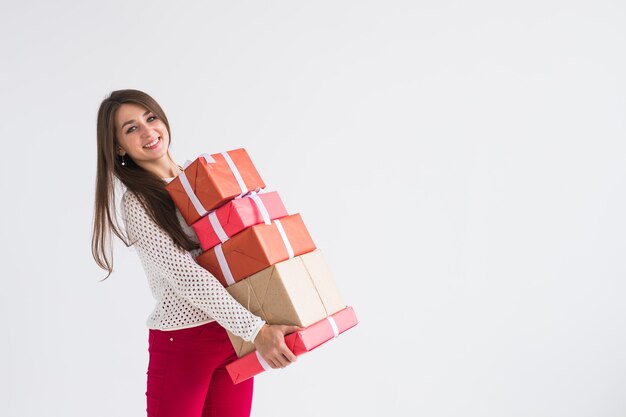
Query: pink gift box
{"type": "Point", "coordinates": [236, 215]}
{"type": "Point", "coordinates": [299, 343]}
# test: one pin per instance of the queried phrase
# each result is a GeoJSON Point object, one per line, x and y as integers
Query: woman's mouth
{"type": "Point", "coordinates": [153, 144]}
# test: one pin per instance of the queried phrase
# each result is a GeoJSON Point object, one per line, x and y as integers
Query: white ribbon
{"type": "Point", "coordinates": [333, 325]}
{"type": "Point", "coordinates": [221, 259]}
{"type": "Point", "coordinates": [233, 168]}
{"type": "Point", "coordinates": [217, 227]}
{"type": "Point", "coordinates": [283, 236]}
{"type": "Point", "coordinates": [266, 366]}
{"type": "Point", "coordinates": [209, 159]}
{"type": "Point", "coordinates": [262, 209]}
{"type": "Point", "coordinates": [192, 196]}
{"type": "Point", "coordinates": [187, 186]}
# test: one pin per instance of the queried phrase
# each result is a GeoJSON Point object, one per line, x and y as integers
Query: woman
{"type": "Point", "coordinates": [188, 344]}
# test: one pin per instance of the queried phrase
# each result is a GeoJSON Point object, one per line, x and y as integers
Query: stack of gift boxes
{"type": "Point", "coordinates": [264, 256]}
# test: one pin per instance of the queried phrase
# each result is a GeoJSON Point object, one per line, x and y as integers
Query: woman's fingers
{"type": "Point", "coordinates": [287, 358]}
{"type": "Point", "coordinates": [273, 363]}
{"type": "Point", "coordinates": [277, 361]}
{"type": "Point", "coordinates": [288, 355]}
{"type": "Point", "coordinates": [270, 343]}
{"type": "Point", "coordinates": [290, 329]}
{"type": "Point", "coordinates": [281, 359]}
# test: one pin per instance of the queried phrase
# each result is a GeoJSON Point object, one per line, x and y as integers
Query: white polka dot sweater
{"type": "Point", "coordinates": [187, 295]}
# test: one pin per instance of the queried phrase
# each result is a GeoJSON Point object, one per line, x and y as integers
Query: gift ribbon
{"type": "Point", "coordinates": [283, 236]}
{"type": "Point", "coordinates": [217, 227]}
{"type": "Point", "coordinates": [206, 156]}
{"type": "Point", "coordinates": [236, 173]}
{"type": "Point", "coordinates": [333, 325]}
{"type": "Point", "coordinates": [221, 259]}
{"type": "Point", "coordinates": [266, 366]}
{"type": "Point", "coordinates": [192, 195]}
{"type": "Point", "coordinates": [262, 209]}
{"type": "Point", "coordinates": [187, 186]}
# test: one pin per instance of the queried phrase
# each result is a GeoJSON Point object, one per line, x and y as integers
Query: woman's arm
{"type": "Point", "coordinates": [157, 250]}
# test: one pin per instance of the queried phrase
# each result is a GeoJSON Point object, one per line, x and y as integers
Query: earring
{"type": "Point", "coordinates": [123, 161]}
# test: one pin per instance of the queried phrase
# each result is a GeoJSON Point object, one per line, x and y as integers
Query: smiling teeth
{"type": "Point", "coordinates": [152, 143]}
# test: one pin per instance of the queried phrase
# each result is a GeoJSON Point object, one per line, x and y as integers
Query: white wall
{"type": "Point", "coordinates": [461, 164]}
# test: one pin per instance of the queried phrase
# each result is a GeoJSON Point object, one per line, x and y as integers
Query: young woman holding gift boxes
{"type": "Point", "coordinates": [187, 341]}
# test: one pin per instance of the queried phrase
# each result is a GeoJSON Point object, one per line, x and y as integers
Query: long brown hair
{"type": "Point", "coordinates": [148, 187]}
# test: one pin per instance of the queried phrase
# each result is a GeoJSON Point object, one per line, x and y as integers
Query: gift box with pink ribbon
{"type": "Point", "coordinates": [299, 343]}
{"type": "Point", "coordinates": [236, 215]}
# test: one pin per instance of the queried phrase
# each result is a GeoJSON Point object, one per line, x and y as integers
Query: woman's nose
{"type": "Point", "coordinates": [146, 131]}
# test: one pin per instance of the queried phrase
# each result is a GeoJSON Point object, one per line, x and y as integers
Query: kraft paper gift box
{"type": "Point", "coordinates": [210, 181]}
{"type": "Point", "coordinates": [231, 218]}
{"type": "Point", "coordinates": [299, 343]}
{"type": "Point", "coordinates": [299, 291]}
{"type": "Point", "coordinates": [256, 248]}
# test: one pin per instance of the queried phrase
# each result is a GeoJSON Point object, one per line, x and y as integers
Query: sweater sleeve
{"type": "Point", "coordinates": [188, 279]}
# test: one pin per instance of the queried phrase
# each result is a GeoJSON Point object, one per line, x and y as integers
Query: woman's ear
{"type": "Point", "coordinates": [120, 151]}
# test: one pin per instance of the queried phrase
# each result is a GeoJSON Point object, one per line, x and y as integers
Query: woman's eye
{"type": "Point", "coordinates": [130, 128]}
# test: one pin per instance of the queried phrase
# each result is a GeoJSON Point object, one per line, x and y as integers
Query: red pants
{"type": "Point", "coordinates": [187, 378]}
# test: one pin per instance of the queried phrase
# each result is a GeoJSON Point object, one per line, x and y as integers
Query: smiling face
{"type": "Point", "coordinates": [141, 136]}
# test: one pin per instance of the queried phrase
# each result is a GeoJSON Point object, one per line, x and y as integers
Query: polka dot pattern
{"type": "Point", "coordinates": [186, 293]}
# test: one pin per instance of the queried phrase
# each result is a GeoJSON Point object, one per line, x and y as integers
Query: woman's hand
{"type": "Point", "coordinates": [270, 343]}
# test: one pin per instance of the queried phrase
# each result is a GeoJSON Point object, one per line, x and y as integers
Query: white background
{"type": "Point", "coordinates": [461, 165]}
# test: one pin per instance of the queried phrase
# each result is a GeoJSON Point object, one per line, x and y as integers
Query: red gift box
{"type": "Point", "coordinates": [256, 248]}
{"type": "Point", "coordinates": [210, 181]}
{"type": "Point", "coordinates": [236, 215]}
{"type": "Point", "coordinates": [299, 343]}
